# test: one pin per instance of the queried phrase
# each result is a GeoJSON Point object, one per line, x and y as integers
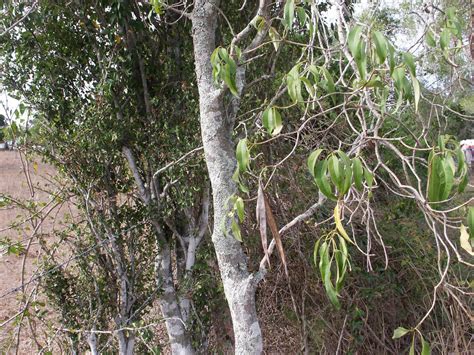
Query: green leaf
{"type": "Point", "coordinates": [399, 332]}
{"type": "Point", "coordinates": [463, 182]}
{"type": "Point", "coordinates": [398, 75]}
{"type": "Point", "coordinates": [239, 206]}
{"type": "Point", "coordinates": [341, 256]}
{"type": "Point", "coordinates": [309, 87]}
{"type": "Point", "coordinates": [353, 39]}
{"type": "Point", "coordinates": [358, 172]}
{"type": "Point", "coordinates": [236, 231]}
{"type": "Point", "coordinates": [361, 61]}
{"type": "Point", "coordinates": [293, 82]}
{"type": "Point", "coordinates": [434, 178]}
{"type": "Point", "coordinates": [335, 168]}
{"type": "Point", "coordinates": [425, 347]}
{"type": "Point", "coordinates": [412, 347]}
{"type": "Point", "coordinates": [391, 57]}
{"type": "Point", "coordinates": [470, 222]}
{"type": "Point", "coordinates": [300, 11]}
{"type": "Point", "coordinates": [272, 121]}
{"type": "Point", "coordinates": [325, 269]}
{"type": "Point", "coordinates": [444, 39]}
{"type": "Point", "coordinates": [380, 46]}
{"type": "Point", "coordinates": [339, 226]}
{"type": "Point", "coordinates": [329, 81]}
{"type": "Point", "coordinates": [346, 172]}
{"type": "Point", "coordinates": [312, 159]}
{"type": "Point", "coordinates": [322, 180]}
{"type": "Point", "coordinates": [416, 91]}
{"type": "Point", "coordinates": [429, 38]}
{"type": "Point", "coordinates": [243, 155]}
{"type": "Point", "coordinates": [289, 13]}
{"type": "Point", "coordinates": [447, 179]}
{"type": "Point", "coordinates": [228, 75]}
{"type": "Point", "coordinates": [315, 252]}
{"type": "Point", "coordinates": [461, 159]}
{"type": "Point", "coordinates": [369, 177]}
{"type": "Point", "coordinates": [409, 60]}
{"type": "Point", "coordinates": [275, 37]}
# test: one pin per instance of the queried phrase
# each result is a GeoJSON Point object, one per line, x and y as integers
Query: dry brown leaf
{"type": "Point", "coordinates": [276, 235]}
{"type": "Point", "coordinates": [262, 221]}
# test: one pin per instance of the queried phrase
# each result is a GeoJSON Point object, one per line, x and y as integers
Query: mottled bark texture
{"type": "Point", "coordinates": [180, 341]}
{"type": "Point", "coordinates": [216, 130]}
{"type": "Point", "coordinates": [179, 337]}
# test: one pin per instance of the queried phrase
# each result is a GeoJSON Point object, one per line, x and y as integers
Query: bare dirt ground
{"type": "Point", "coordinates": [18, 269]}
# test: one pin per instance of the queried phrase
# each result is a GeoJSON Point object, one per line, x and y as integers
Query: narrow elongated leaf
{"type": "Point", "coordinates": [461, 159]}
{"type": "Point", "coordinates": [444, 39]}
{"type": "Point", "coordinates": [463, 182]}
{"type": "Point", "coordinates": [369, 177]}
{"type": "Point", "coordinates": [339, 226]}
{"type": "Point", "coordinates": [429, 38]}
{"type": "Point", "coordinates": [300, 11]}
{"type": "Point", "coordinates": [315, 252]}
{"type": "Point", "coordinates": [262, 221]}
{"type": "Point", "coordinates": [323, 258]}
{"type": "Point", "coordinates": [380, 46]}
{"type": "Point", "coordinates": [239, 206]}
{"type": "Point", "coordinates": [293, 82]}
{"type": "Point", "coordinates": [309, 87]}
{"type": "Point", "coordinates": [312, 160]}
{"type": "Point", "coordinates": [409, 60]}
{"type": "Point", "coordinates": [272, 121]}
{"type": "Point", "coordinates": [229, 73]}
{"type": "Point", "coordinates": [289, 13]}
{"type": "Point", "coordinates": [276, 234]}
{"type": "Point", "coordinates": [322, 180]}
{"type": "Point", "coordinates": [335, 172]}
{"type": "Point", "coordinates": [464, 239]}
{"type": "Point", "coordinates": [358, 173]}
{"type": "Point", "coordinates": [325, 270]}
{"type": "Point", "coordinates": [346, 172]}
{"type": "Point", "coordinates": [416, 91]}
{"type": "Point", "coordinates": [353, 39]}
{"type": "Point", "coordinates": [399, 332]}
{"type": "Point", "coordinates": [236, 230]}
{"type": "Point", "coordinates": [425, 347]}
{"type": "Point", "coordinates": [391, 57]}
{"type": "Point", "coordinates": [446, 178]}
{"type": "Point", "coordinates": [470, 222]}
{"type": "Point", "coordinates": [243, 155]}
{"type": "Point", "coordinates": [434, 179]}
{"type": "Point", "coordinates": [341, 263]}
{"type": "Point", "coordinates": [361, 60]}
{"type": "Point", "coordinates": [275, 37]}
{"type": "Point", "coordinates": [412, 347]}
{"type": "Point", "coordinates": [329, 80]}
{"type": "Point", "coordinates": [398, 75]}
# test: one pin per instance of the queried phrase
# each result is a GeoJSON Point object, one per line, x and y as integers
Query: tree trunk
{"type": "Point", "coordinates": [126, 343]}
{"type": "Point", "coordinates": [216, 131]}
{"type": "Point", "coordinates": [92, 341]}
{"type": "Point", "coordinates": [180, 340]}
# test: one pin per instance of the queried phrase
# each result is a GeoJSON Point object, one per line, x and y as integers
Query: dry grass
{"type": "Point", "coordinates": [17, 268]}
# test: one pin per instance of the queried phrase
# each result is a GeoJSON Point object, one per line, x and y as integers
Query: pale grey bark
{"type": "Point", "coordinates": [216, 130]}
{"type": "Point", "coordinates": [175, 316]}
{"type": "Point", "coordinates": [92, 342]}
{"type": "Point", "coordinates": [126, 343]}
{"type": "Point", "coordinates": [180, 341]}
